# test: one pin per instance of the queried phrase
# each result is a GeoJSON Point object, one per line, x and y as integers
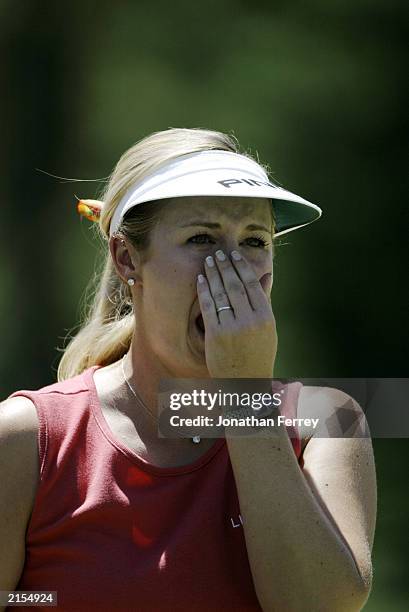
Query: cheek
{"type": "Point", "coordinates": [170, 285]}
{"type": "Point", "coordinates": [260, 262]}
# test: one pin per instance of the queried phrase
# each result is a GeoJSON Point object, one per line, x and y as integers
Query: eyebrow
{"type": "Point", "coordinates": [252, 226]}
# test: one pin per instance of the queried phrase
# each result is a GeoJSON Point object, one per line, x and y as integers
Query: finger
{"type": "Point", "coordinates": [206, 302]}
{"type": "Point", "coordinates": [233, 285]}
{"type": "Point", "coordinates": [255, 291]}
{"type": "Point", "coordinates": [218, 290]}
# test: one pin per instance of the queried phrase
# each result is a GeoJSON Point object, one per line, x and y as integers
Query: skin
{"type": "Point", "coordinates": [309, 546]}
{"type": "Point", "coordinates": [331, 534]}
{"type": "Point", "coordinates": [167, 295]}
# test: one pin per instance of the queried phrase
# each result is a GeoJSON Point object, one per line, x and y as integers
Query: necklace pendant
{"type": "Point", "coordinates": [196, 439]}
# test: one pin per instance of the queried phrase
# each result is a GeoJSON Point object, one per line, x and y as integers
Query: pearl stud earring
{"type": "Point", "coordinates": [131, 282]}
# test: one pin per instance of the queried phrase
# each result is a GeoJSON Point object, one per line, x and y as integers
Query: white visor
{"type": "Point", "coordinates": [218, 173]}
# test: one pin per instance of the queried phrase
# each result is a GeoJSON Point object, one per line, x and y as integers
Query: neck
{"type": "Point", "coordinates": [144, 370]}
{"type": "Point", "coordinates": [143, 374]}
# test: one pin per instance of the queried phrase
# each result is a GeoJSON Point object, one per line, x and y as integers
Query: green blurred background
{"type": "Point", "coordinates": [315, 87]}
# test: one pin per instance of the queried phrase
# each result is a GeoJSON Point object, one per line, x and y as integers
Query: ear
{"type": "Point", "coordinates": [126, 259]}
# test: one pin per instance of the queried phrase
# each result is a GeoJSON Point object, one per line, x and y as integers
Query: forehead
{"type": "Point", "coordinates": [216, 209]}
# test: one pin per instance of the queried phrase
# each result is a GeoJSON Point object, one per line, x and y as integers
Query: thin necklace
{"type": "Point", "coordinates": [195, 439]}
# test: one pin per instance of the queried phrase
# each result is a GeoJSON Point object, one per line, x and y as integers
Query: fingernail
{"type": "Point", "coordinates": [236, 255]}
{"type": "Point", "coordinates": [200, 278]}
{"type": "Point", "coordinates": [220, 255]}
{"type": "Point", "coordinates": [210, 261]}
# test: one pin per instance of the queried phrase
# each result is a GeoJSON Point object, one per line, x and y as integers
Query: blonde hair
{"type": "Point", "coordinates": [108, 321]}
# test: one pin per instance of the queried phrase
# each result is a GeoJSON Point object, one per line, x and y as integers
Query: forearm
{"type": "Point", "coordinates": [298, 558]}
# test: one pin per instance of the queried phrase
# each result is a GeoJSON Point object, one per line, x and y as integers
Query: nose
{"type": "Point", "coordinates": [262, 265]}
{"type": "Point", "coordinates": [229, 244]}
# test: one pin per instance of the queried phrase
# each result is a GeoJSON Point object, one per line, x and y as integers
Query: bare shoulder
{"type": "Point", "coordinates": [19, 459]}
{"type": "Point", "coordinates": [19, 477]}
{"type": "Point", "coordinates": [339, 466]}
{"type": "Point", "coordinates": [19, 414]}
{"type": "Point", "coordinates": [327, 411]}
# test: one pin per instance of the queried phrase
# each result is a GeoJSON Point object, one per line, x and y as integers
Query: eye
{"type": "Point", "coordinates": [261, 241]}
{"type": "Point", "coordinates": [196, 238]}
{"type": "Point", "coordinates": [200, 239]}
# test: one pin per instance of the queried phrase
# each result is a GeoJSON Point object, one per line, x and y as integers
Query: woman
{"type": "Point", "coordinates": [109, 514]}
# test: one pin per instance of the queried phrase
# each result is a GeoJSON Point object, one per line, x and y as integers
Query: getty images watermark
{"type": "Point", "coordinates": [336, 407]}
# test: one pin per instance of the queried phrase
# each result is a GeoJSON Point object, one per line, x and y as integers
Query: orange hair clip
{"type": "Point", "coordinates": [90, 209]}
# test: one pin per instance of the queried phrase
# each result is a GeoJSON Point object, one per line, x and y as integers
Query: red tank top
{"type": "Point", "coordinates": [109, 531]}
